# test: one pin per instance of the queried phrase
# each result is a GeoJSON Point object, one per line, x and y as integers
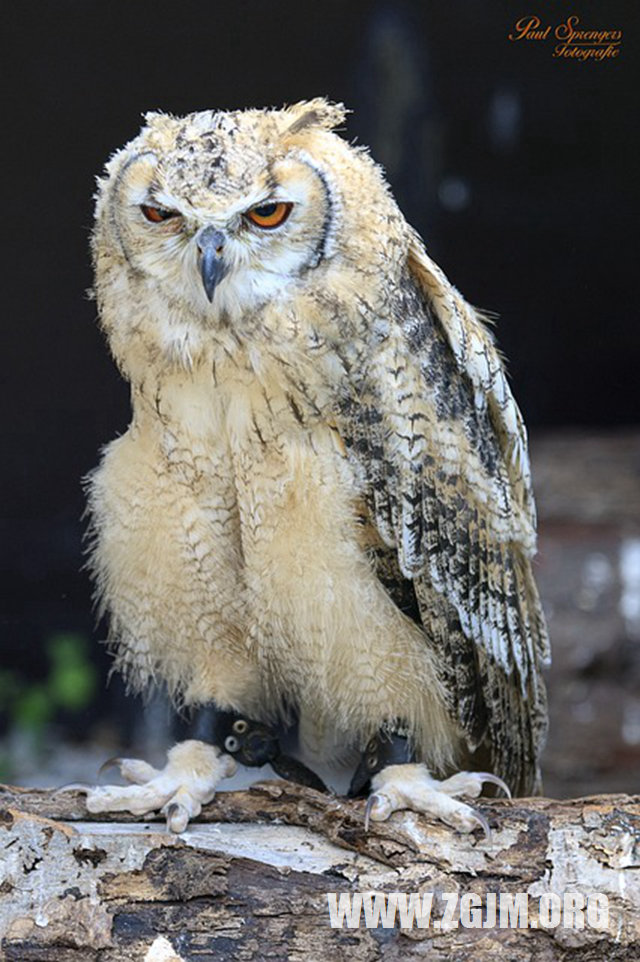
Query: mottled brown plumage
{"type": "Point", "coordinates": [323, 502]}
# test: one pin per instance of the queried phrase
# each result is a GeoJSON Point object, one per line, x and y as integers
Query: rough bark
{"type": "Point", "coordinates": [249, 879]}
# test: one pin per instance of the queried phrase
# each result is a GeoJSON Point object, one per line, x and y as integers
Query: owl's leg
{"type": "Point", "coordinates": [413, 787]}
{"type": "Point", "coordinates": [385, 748]}
{"type": "Point", "coordinates": [187, 782]}
{"type": "Point", "coordinates": [397, 781]}
{"type": "Point", "coordinates": [195, 768]}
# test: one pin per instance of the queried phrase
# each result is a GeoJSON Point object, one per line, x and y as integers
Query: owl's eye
{"type": "Point", "coordinates": [157, 214]}
{"type": "Point", "coordinates": [269, 215]}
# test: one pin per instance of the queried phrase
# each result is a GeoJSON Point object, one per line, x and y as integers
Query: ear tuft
{"type": "Point", "coordinates": [160, 119]}
{"type": "Point", "coordinates": [314, 113]}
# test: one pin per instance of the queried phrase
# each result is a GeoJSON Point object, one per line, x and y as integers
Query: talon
{"type": "Point", "coordinates": [371, 801]}
{"type": "Point", "coordinates": [482, 821]}
{"type": "Point", "coordinates": [110, 763]}
{"type": "Point", "coordinates": [177, 818]}
{"type": "Point", "coordinates": [379, 807]}
{"type": "Point", "coordinates": [187, 781]}
{"type": "Point", "coordinates": [489, 777]}
{"type": "Point", "coordinates": [74, 787]}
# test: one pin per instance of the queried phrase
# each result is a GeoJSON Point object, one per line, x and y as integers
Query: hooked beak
{"type": "Point", "coordinates": [212, 267]}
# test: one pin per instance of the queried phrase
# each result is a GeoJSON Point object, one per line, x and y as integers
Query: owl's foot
{"type": "Point", "coordinates": [412, 787]}
{"type": "Point", "coordinates": [186, 783]}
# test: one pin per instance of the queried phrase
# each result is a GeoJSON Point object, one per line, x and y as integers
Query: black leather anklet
{"type": "Point", "coordinates": [385, 748]}
{"type": "Point", "coordinates": [254, 744]}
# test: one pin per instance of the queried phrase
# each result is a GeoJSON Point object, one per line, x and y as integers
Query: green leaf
{"type": "Point", "coordinates": [73, 678]}
{"type": "Point", "coordinates": [34, 708]}
{"type": "Point", "coordinates": [72, 686]}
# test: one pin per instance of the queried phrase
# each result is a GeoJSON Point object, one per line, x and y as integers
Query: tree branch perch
{"type": "Point", "coordinates": [249, 879]}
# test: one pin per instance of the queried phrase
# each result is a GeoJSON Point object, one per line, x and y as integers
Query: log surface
{"type": "Point", "coordinates": [249, 880]}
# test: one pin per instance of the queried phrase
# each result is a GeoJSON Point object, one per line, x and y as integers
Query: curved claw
{"type": "Point", "coordinates": [177, 818]}
{"type": "Point", "coordinates": [110, 763]}
{"type": "Point", "coordinates": [371, 801]}
{"type": "Point", "coordinates": [482, 821]}
{"type": "Point", "coordinates": [74, 787]}
{"type": "Point", "coordinates": [489, 777]}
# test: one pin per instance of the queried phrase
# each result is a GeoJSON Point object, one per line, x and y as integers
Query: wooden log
{"type": "Point", "coordinates": [249, 881]}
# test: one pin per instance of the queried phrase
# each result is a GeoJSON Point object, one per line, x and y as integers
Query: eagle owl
{"type": "Point", "coordinates": [322, 507]}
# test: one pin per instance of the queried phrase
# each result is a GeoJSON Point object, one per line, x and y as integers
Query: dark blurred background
{"type": "Point", "coordinates": [520, 171]}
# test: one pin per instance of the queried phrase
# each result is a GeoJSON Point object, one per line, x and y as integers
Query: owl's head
{"type": "Point", "coordinates": [218, 213]}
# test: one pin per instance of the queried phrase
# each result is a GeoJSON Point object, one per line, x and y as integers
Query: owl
{"type": "Point", "coordinates": [321, 512]}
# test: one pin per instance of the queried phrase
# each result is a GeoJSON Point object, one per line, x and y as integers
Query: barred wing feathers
{"type": "Point", "coordinates": [443, 447]}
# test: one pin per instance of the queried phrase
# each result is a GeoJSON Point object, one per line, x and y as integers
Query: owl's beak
{"type": "Point", "coordinates": [212, 267]}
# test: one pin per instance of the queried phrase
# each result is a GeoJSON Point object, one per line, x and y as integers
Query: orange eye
{"type": "Point", "coordinates": [269, 215]}
{"type": "Point", "coordinates": [157, 214]}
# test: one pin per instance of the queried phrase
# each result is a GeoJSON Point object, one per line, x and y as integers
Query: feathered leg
{"type": "Point", "coordinates": [413, 787]}
{"type": "Point", "coordinates": [187, 782]}
{"type": "Point", "coordinates": [388, 767]}
{"type": "Point", "coordinates": [194, 770]}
